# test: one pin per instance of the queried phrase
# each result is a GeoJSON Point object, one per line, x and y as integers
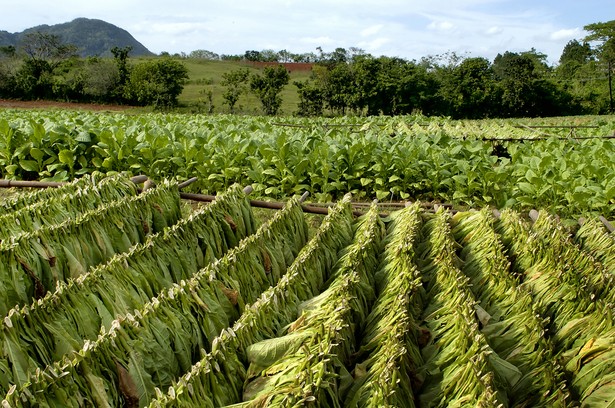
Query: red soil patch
{"type": "Point", "coordinates": [8, 104]}
{"type": "Point", "coordinates": [290, 66]}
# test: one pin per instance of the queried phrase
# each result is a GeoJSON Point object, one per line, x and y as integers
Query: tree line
{"type": "Point", "coordinates": [344, 81]}
{"type": "Point", "coordinates": [514, 84]}
{"type": "Point", "coordinates": [42, 67]}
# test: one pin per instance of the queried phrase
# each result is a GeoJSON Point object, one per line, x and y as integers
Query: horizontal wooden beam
{"type": "Point", "coordinates": [47, 184]}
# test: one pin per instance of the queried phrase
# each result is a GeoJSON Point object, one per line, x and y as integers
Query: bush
{"type": "Point", "coordinates": [157, 83]}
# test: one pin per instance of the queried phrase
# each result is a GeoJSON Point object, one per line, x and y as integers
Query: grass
{"type": "Point", "coordinates": [206, 76]}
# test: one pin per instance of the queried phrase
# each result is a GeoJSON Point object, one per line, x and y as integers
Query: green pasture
{"type": "Point", "coordinates": [206, 76]}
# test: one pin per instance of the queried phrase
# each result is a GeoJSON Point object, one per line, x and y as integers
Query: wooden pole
{"type": "Point", "coordinates": [47, 184]}
{"type": "Point", "coordinates": [205, 198]}
{"type": "Point", "coordinates": [35, 184]}
{"type": "Point", "coordinates": [187, 182]}
{"type": "Point", "coordinates": [610, 67]}
{"type": "Point", "coordinates": [139, 179]}
{"type": "Point", "coordinates": [607, 224]}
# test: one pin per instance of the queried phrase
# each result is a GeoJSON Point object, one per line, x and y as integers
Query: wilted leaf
{"type": "Point", "coordinates": [128, 388]}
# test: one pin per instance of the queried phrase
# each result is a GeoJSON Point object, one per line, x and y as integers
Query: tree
{"type": "Point", "coordinates": [305, 57]}
{"type": "Point", "coordinates": [285, 56]}
{"type": "Point", "coordinates": [9, 65]}
{"type": "Point", "coordinates": [311, 100]}
{"type": "Point", "coordinates": [386, 85]}
{"type": "Point", "coordinates": [605, 33]}
{"type": "Point", "coordinates": [120, 55]}
{"type": "Point", "coordinates": [516, 75]}
{"type": "Point", "coordinates": [236, 84]}
{"type": "Point", "coordinates": [268, 86]}
{"type": "Point", "coordinates": [574, 56]}
{"type": "Point", "coordinates": [8, 51]}
{"type": "Point", "coordinates": [337, 84]}
{"type": "Point", "coordinates": [576, 52]}
{"type": "Point", "coordinates": [204, 54]}
{"type": "Point", "coordinates": [470, 89]}
{"type": "Point", "coordinates": [101, 78]}
{"type": "Point", "coordinates": [269, 56]}
{"type": "Point", "coordinates": [252, 55]}
{"type": "Point", "coordinates": [47, 47]}
{"type": "Point", "coordinates": [157, 82]}
{"type": "Point", "coordinates": [331, 59]}
{"type": "Point", "coordinates": [44, 52]}
{"type": "Point", "coordinates": [527, 87]}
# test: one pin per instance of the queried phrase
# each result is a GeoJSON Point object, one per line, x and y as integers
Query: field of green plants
{"type": "Point", "coordinates": [384, 158]}
{"type": "Point", "coordinates": [113, 296]}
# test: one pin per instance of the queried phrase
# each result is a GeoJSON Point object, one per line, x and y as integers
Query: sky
{"type": "Point", "coordinates": [408, 29]}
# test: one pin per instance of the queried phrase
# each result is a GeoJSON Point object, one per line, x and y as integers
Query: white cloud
{"type": "Point", "coordinates": [317, 41]}
{"type": "Point", "coordinates": [374, 45]}
{"type": "Point", "coordinates": [372, 30]}
{"type": "Point", "coordinates": [441, 25]}
{"type": "Point", "coordinates": [494, 30]}
{"type": "Point", "coordinates": [173, 29]}
{"type": "Point", "coordinates": [566, 34]}
{"type": "Point", "coordinates": [405, 28]}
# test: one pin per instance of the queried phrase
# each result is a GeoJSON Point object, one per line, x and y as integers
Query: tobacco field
{"type": "Point", "coordinates": [113, 296]}
{"type": "Point", "coordinates": [563, 165]}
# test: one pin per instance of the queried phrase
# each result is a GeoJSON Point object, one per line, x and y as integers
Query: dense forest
{"type": "Point", "coordinates": [344, 81]}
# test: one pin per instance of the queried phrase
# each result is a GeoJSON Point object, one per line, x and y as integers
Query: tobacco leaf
{"type": "Point", "coordinates": [128, 388]}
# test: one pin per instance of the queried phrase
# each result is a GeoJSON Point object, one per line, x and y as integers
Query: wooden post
{"type": "Point", "coordinates": [607, 224]}
{"type": "Point", "coordinates": [534, 215]}
{"type": "Point", "coordinates": [187, 182]}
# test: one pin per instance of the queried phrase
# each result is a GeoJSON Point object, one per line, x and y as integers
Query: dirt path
{"type": "Point", "coordinates": [12, 104]}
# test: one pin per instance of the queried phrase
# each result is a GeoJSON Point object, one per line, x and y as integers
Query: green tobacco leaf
{"type": "Point", "coordinates": [504, 370]}
{"type": "Point", "coordinates": [267, 352]}
{"type": "Point", "coordinates": [482, 315]}
{"type": "Point", "coordinates": [531, 176]}
{"type": "Point", "coordinates": [37, 154]}
{"type": "Point", "coordinates": [84, 137]}
{"type": "Point", "coordinates": [105, 316]}
{"type": "Point", "coordinates": [11, 169]}
{"type": "Point", "coordinates": [256, 387]}
{"type": "Point", "coordinates": [29, 165]}
{"type": "Point", "coordinates": [527, 188]}
{"type": "Point", "coordinates": [18, 359]}
{"type": "Point", "coordinates": [97, 385]}
{"type": "Point", "coordinates": [67, 157]}
{"type": "Point", "coordinates": [381, 195]}
{"type": "Point", "coordinates": [75, 267]}
{"type": "Point", "coordinates": [602, 396]}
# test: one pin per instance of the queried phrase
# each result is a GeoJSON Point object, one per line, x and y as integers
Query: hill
{"type": "Point", "coordinates": [92, 37]}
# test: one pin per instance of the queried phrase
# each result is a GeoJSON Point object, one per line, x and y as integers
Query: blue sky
{"type": "Point", "coordinates": [408, 29]}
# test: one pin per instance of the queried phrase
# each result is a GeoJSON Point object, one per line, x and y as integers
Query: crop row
{"type": "Point", "coordinates": [77, 309]}
{"type": "Point", "coordinates": [158, 341]}
{"type": "Point", "coordinates": [384, 158]}
{"type": "Point", "coordinates": [33, 262]}
{"type": "Point", "coordinates": [418, 309]}
{"type": "Point", "coordinates": [68, 202]}
{"type": "Point", "coordinates": [444, 321]}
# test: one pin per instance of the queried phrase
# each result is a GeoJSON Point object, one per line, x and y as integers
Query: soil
{"type": "Point", "coordinates": [290, 66]}
{"type": "Point", "coordinates": [15, 104]}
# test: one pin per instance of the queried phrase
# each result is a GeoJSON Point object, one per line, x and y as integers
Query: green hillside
{"type": "Point", "coordinates": [206, 76]}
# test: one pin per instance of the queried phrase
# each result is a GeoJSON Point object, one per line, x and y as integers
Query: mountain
{"type": "Point", "coordinates": [92, 37]}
